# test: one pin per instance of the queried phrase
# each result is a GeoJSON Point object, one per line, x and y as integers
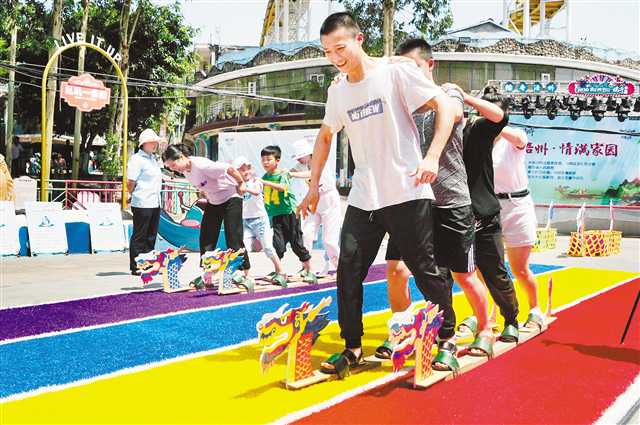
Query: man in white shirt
{"type": "Point", "coordinates": [390, 191]}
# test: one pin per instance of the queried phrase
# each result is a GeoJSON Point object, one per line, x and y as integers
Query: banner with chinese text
{"type": "Point", "coordinates": [571, 162]}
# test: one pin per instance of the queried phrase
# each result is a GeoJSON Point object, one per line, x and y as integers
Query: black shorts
{"type": "Point", "coordinates": [453, 235]}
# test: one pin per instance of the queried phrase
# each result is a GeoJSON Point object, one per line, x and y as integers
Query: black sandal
{"type": "Point", "coordinates": [340, 363]}
{"type": "Point", "coordinates": [385, 351]}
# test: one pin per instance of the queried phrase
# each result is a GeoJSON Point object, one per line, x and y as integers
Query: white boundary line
{"type": "Point", "coordinates": [140, 368]}
{"type": "Point", "coordinates": [192, 310]}
{"type": "Point", "coordinates": [291, 417]}
{"type": "Point", "coordinates": [294, 416]}
{"type": "Point", "coordinates": [146, 366]}
{"type": "Point", "coordinates": [615, 413]}
{"type": "Point", "coordinates": [121, 372]}
{"type": "Point", "coordinates": [88, 297]}
{"type": "Point", "coordinates": [173, 313]}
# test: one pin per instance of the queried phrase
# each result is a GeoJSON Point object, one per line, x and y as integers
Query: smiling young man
{"type": "Point", "coordinates": [390, 189]}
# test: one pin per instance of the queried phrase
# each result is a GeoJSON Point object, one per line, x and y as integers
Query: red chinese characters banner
{"type": "Point", "coordinates": [85, 93]}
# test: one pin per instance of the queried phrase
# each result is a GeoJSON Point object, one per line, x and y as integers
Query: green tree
{"type": "Point", "coordinates": [110, 162]}
{"type": "Point", "coordinates": [77, 125]}
{"type": "Point", "coordinates": [160, 51]}
{"type": "Point", "coordinates": [424, 18]}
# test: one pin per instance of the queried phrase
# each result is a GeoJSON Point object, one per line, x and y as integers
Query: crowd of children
{"type": "Point", "coordinates": [261, 212]}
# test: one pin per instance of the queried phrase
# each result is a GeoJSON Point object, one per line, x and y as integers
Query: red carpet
{"type": "Point", "coordinates": [568, 375]}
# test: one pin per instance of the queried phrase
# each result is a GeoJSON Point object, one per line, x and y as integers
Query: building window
{"type": "Point", "coordinates": [318, 78]}
{"type": "Point", "coordinates": [251, 87]}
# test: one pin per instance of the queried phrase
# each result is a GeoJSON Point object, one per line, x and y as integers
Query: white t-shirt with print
{"type": "Point", "coordinates": [253, 205]}
{"type": "Point", "coordinates": [377, 116]}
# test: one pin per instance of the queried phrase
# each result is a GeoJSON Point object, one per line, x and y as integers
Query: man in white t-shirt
{"type": "Point", "coordinates": [390, 188]}
{"type": "Point", "coordinates": [328, 213]}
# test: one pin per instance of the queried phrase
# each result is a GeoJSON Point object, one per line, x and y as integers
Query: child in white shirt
{"type": "Point", "coordinates": [328, 212]}
{"type": "Point", "coordinates": [255, 219]}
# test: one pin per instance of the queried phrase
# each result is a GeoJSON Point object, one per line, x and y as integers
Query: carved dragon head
{"type": "Point", "coordinates": [277, 331]}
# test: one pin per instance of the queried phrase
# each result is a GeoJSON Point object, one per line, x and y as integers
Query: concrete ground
{"type": "Point", "coordinates": [45, 279]}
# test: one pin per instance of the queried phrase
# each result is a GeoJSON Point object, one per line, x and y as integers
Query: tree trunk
{"type": "Point", "coordinates": [77, 127]}
{"type": "Point", "coordinates": [127, 30]}
{"type": "Point", "coordinates": [388, 9]}
{"type": "Point", "coordinates": [11, 88]}
{"type": "Point", "coordinates": [56, 33]}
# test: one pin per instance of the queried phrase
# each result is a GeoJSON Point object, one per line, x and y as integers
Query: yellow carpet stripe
{"type": "Point", "coordinates": [227, 387]}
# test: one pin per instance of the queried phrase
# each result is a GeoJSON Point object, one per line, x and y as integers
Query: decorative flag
{"type": "Point", "coordinates": [610, 214]}
{"type": "Point", "coordinates": [580, 217]}
{"type": "Point", "coordinates": [549, 292]}
{"type": "Point", "coordinates": [550, 212]}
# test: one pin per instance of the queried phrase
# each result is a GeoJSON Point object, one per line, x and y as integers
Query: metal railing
{"type": "Point", "coordinates": [78, 194]}
{"type": "Point", "coordinates": [176, 197]}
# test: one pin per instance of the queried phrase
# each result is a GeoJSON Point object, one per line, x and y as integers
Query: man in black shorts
{"type": "Point", "coordinates": [453, 225]}
{"type": "Point", "coordinates": [480, 134]}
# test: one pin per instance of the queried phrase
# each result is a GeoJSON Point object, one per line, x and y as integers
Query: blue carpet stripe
{"type": "Point", "coordinates": [61, 359]}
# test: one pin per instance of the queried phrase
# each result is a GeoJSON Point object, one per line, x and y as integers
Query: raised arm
{"type": "Point", "coordinates": [254, 192]}
{"type": "Point", "coordinates": [300, 174]}
{"type": "Point", "coordinates": [489, 110]}
{"type": "Point", "coordinates": [517, 138]}
{"type": "Point", "coordinates": [238, 178]}
{"type": "Point", "coordinates": [277, 186]}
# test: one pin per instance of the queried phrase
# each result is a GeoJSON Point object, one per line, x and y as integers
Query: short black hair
{"type": "Point", "coordinates": [175, 152]}
{"type": "Point", "coordinates": [490, 90]}
{"type": "Point", "coordinates": [491, 94]}
{"type": "Point", "coordinates": [411, 44]}
{"type": "Point", "coordinates": [272, 150]}
{"type": "Point", "coordinates": [339, 20]}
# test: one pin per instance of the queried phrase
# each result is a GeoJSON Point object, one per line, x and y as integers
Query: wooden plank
{"type": "Point", "coordinates": [323, 279]}
{"type": "Point", "coordinates": [181, 289]}
{"type": "Point", "coordinates": [319, 376]}
{"type": "Point", "coordinates": [373, 359]}
{"type": "Point", "coordinates": [468, 362]}
{"type": "Point", "coordinates": [302, 383]}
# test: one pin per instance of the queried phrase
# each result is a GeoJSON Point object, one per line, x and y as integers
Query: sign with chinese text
{"type": "Point", "coordinates": [571, 162]}
{"type": "Point", "coordinates": [85, 93]}
{"type": "Point", "coordinates": [601, 85]}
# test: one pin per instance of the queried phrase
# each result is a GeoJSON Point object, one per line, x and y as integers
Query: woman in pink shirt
{"type": "Point", "coordinates": [223, 186]}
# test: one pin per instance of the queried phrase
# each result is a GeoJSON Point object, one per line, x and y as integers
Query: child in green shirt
{"type": "Point", "coordinates": [281, 206]}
